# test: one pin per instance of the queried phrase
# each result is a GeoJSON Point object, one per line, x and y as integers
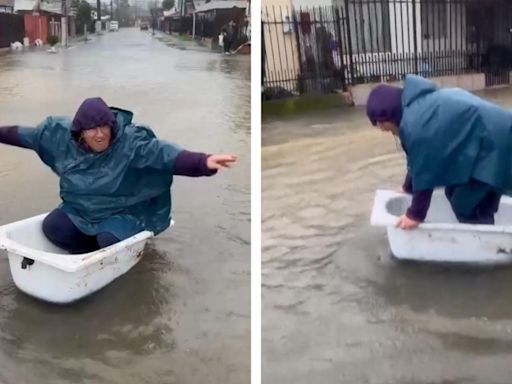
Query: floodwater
{"type": "Point", "coordinates": [181, 315]}
{"type": "Point", "coordinates": [336, 307]}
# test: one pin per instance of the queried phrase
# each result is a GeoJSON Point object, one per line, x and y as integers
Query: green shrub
{"type": "Point", "coordinates": [52, 40]}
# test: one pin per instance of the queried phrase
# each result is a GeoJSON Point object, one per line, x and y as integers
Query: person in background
{"type": "Point", "coordinates": [229, 32]}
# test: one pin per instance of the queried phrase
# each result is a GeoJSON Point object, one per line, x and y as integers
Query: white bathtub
{"type": "Point", "coordinates": [441, 238]}
{"type": "Point", "coordinates": [46, 272]}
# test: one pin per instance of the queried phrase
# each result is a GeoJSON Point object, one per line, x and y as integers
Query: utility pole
{"type": "Point", "coordinates": [153, 17]}
{"type": "Point", "coordinates": [98, 17]}
{"type": "Point", "coordinates": [64, 23]}
{"type": "Point", "coordinates": [137, 21]}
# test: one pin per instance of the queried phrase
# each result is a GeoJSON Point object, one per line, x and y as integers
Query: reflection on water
{"type": "Point", "coordinates": [139, 330]}
{"type": "Point", "coordinates": [336, 307]}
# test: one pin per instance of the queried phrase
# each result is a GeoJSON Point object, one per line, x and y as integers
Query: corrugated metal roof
{"type": "Point", "coordinates": [222, 4]}
{"type": "Point", "coordinates": [24, 5]}
{"type": "Point", "coordinates": [48, 6]}
{"type": "Point", "coordinates": [6, 3]}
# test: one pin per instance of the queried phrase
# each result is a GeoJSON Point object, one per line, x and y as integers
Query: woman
{"type": "Point", "coordinates": [452, 139]}
{"type": "Point", "coordinates": [229, 36]}
{"type": "Point", "coordinates": [115, 176]}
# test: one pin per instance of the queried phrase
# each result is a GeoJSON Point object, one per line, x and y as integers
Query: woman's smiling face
{"type": "Point", "coordinates": [97, 139]}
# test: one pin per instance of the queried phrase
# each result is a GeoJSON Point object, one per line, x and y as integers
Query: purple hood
{"type": "Point", "coordinates": [92, 113]}
{"type": "Point", "coordinates": [385, 104]}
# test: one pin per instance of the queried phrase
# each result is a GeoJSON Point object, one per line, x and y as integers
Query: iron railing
{"type": "Point", "coordinates": [12, 28]}
{"type": "Point", "coordinates": [326, 49]}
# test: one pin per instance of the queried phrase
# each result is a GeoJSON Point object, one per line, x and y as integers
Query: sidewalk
{"type": "Point", "coordinates": [186, 42]}
{"type": "Point", "coordinates": [183, 42]}
{"type": "Point", "coordinates": [72, 43]}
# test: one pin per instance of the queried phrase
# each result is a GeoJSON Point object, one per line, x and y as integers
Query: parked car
{"type": "Point", "coordinates": [144, 26]}
{"type": "Point", "coordinates": [114, 26]}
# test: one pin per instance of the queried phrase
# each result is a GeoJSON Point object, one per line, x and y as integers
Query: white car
{"type": "Point", "coordinates": [114, 26]}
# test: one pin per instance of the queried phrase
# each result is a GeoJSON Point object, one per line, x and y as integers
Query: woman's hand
{"type": "Point", "coordinates": [216, 162]}
{"type": "Point", "coordinates": [405, 223]}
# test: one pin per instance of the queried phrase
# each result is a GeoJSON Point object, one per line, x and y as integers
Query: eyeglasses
{"type": "Point", "coordinates": [105, 130]}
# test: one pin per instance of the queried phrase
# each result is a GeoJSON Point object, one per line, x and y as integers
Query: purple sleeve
{"type": "Point", "coordinates": [9, 135]}
{"type": "Point", "coordinates": [420, 205]}
{"type": "Point", "coordinates": [192, 164]}
{"type": "Point", "coordinates": [407, 186]}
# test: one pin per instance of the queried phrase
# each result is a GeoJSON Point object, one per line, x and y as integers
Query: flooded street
{"type": "Point", "coordinates": [182, 314]}
{"type": "Point", "coordinates": [336, 307]}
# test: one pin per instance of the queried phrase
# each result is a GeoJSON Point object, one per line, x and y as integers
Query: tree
{"type": "Point", "coordinates": [52, 40]}
{"type": "Point", "coordinates": [123, 13]}
{"type": "Point", "coordinates": [167, 4]}
{"type": "Point", "coordinates": [83, 14]}
{"type": "Point", "coordinates": [105, 9]}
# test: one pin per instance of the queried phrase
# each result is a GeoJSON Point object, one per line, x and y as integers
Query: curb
{"type": "Point", "coordinates": [302, 105]}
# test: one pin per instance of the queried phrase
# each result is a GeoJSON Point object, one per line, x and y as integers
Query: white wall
{"type": "Point", "coordinates": [311, 3]}
{"type": "Point", "coordinates": [282, 59]}
{"type": "Point", "coordinates": [401, 15]}
{"type": "Point", "coordinates": [402, 38]}
{"type": "Point", "coordinates": [403, 41]}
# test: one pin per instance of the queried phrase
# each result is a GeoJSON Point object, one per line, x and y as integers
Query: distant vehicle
{"type": "Point", "coordinates": [114, 26]}
{"type": "Point", "coordinates": [144, 26]}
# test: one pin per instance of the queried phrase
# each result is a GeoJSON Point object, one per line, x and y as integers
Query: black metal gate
{"type": "Point", "coordinates": [12, 28]}
{"type": "Point", "coordinates": [491, 25]}
{"type": "Point", "coordinates": [326, 49]}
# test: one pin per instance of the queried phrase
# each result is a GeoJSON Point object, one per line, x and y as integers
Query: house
{"type": "Point", "coordinates": [187, 7]}
{"type": "Point", "coordinates": [280, 58]}
{"type": "Point", "coordinates": [6, 6]}
{"type": "Point", "coordinates": [12, 28]}
{"type": "Point", "coordinates": [181, 20]}
{"type": "Point", "coordinates": [351, 43]}
{"type": "Point", "coordinates": [105, 19]}
{"type": "Point", "coordinates": [210, 17]}
{"type": "Point", "coordinates": [433, 38]}
{"type": "Point", "coordinates": [197, 17]}
{"type": "Point", "coordinates": [168, 17]}
{"type": "Point", "coordinates": [42, 18]}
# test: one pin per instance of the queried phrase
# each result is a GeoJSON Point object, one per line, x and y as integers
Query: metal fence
{"type": "Point", "coordinates": [182, 24]}
{"type": "Point", "coordinates": [325, 49]}
{"type": "Point", "coordinates": [205, 27]}
{"type": "Point", "coordinates": [12, 28]}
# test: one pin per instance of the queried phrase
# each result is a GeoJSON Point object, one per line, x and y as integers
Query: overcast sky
{"type": "Point", "coordinates": [140, 3]}
{"type": "Point", "coordinates": [311, 3]}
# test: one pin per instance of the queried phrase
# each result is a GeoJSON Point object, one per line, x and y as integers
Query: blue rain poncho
{"type": "Point", "coordinates": [123, 190]}
{"type": "Point", "coordinates": [452, 136]}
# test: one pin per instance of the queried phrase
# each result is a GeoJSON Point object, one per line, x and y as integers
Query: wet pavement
{"type": "Point", "coordinates": [182, 314]}
{"type": "Point", "coordinates": [336, 307]}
